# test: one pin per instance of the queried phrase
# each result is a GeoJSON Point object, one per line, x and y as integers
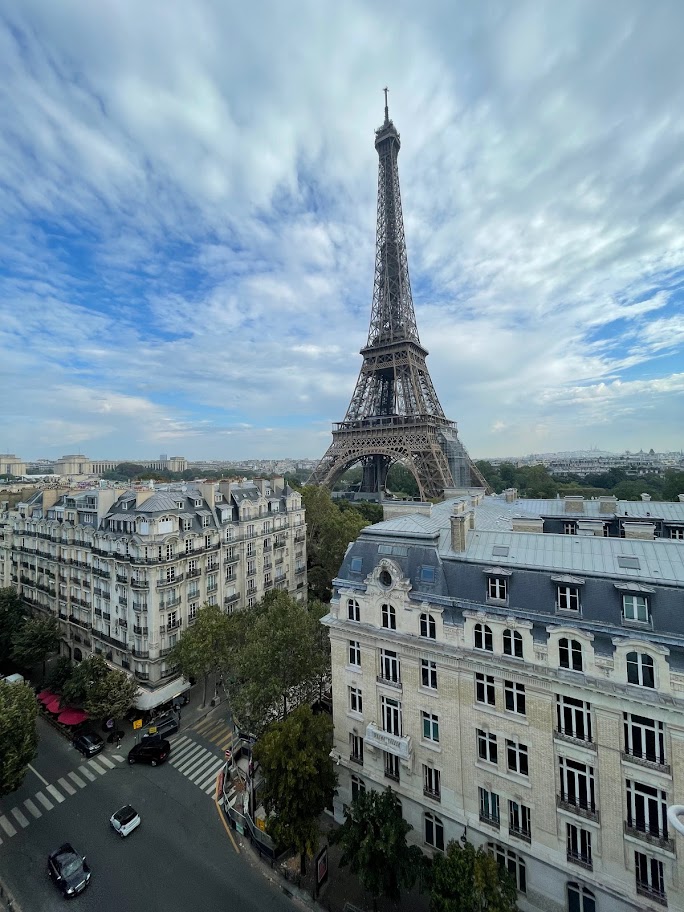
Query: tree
{"type": "Point", "coordinates": [401, 480]}
{"type": "Point", "coordinates": [35, 640]}
{"type": "Point", "coordinates": [18, 737]}
{"type": "Point", "coordinates": [278, 659]}
{"type": "Point", "coordinates": [299, 780]}
{"type": "Point", "coordinates": [104, 693]}
{"type": "Point", "coordinates": [329, 531]}
{"type": "Point", "coordinates": [203, 648]}
{"type": "Point", "coordinates": [59, 674]}
{"type": "Point", "coordinates": [373, 839]}
{"type": "Point", "coordinates": [11, 620]}
{"type": "Point", "coordinates": [466, 879]}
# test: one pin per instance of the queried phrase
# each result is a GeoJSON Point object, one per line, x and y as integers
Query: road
{"type": "Point", "coordinates": [180, 859]}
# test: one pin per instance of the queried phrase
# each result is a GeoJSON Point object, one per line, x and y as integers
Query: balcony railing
{"type": "Point", "coordinates": [519, 833]}
{"type": "Point", "coordinates": [139, 606]}
{"type": "Point", "coordinates": [571, 738]}
{"type": "Point", "coordinates": [98, 571]}
{"type": "Point", "coordinates": [577, 858]}
{"type": "Point", "coordinates": [142, 675]}
{"type": "Point", "coordinates": [431, 793]}
{"type": "Point", "coordinates": [579, 806]}
{"type": "Point", "coordinates": [390, 681]}
{"type": "Point", "coordinates": [140, 584]}
{"type": "Point", "coordinates": [178, 578]}
{"type": "Point", "coordinates": [230, 599]}
{"type": "Point", "coordinates": [644, 889]}
{"type": "Point", "coordinates": [140, 631]}
{"type": "Point", "coordinates": [651, 762]}
{"type": "Point", "coordinates": [196, 572]}
{"type": "Point", "coordinates": [140, 653]}
{"type": "Point", "coordinates": [356, 758]}
{"type": "Point", "coordinates": [490, 819]}
{"type": "Point", "coordinates": [655, 837]}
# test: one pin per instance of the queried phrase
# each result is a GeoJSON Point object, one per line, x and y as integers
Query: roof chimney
{"type": "Point", "coordinates": [459, 523]}
{"type": "Point", "coordinates": [646, 497]}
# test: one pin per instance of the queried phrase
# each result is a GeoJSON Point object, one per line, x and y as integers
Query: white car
{"type": "Point", "coordinates": [125, 820]}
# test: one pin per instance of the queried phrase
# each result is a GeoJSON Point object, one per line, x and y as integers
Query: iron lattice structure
{"type": "Point", "coordinates": [394, 414]}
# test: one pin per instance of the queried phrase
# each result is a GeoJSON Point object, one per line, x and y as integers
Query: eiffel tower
{"type": "Point", "coordinates": [394, 414]}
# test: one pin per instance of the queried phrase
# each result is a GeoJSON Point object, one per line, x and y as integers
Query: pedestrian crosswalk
{"type": "Point", "coordinates": [51, 795]}
{"type": "Point", "coordinates": [200, 765]}
{"type": "Point", "coordinates": [218, 731]}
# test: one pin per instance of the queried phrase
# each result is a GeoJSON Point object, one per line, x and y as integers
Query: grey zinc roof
{"type": "Point", "coordinates": [158, 503]}
{"type": "Point", "coordinates": [411, 525]}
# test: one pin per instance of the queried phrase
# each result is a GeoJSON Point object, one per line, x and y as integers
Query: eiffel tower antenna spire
{"type": "Point", "coordinates": [394, 414]}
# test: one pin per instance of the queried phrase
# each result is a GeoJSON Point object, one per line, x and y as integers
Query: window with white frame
{"type": "Point", "coordinates": [519, 820]}
{"type": "Point", "coordinates": [355, 653]}
{"type": "Point", "coordinates": [646, 809]}
{"type": "Point", "coordinates": [517, 757]}
{"type": "Point", "coordinates": [428, 627]}
{"type": "Point", "coordinates": [389, 617]}
{"type": "Point", "coordinates": [192, 610]}
{"type": "Point", "coordinates": [428, 673]}
{"type": "Point", "coordinates": [430, 727]}
{"type": "Point", "coordinates": [390, 669]}
{"type": "Point", "coordinates": [640, 669]}
{"type": "Point", "coordinates": [511, 862]}
{"type": "Point", "coordinates": [353, 610]}
{"type": "Point", "coordinates": [484, 689]}
{"type": "Point", "coordinates": [570, 654]}
{"type": "Point", "coordinates": [580, 898]}
{"type": "Point", "coordinates": [577, 784]}
{"type": "Point", "coordinates": [635, 609]}
{"type": "Point", "coordinates": [432, 782]}
{"type": "Point", "coordinates": [356, 748]}
{"type": "Point", "coordinates": [391, 765]}
{"type": "Point", "coordinates": [677, 533]}
{"type": "Point", "coordinates": [487, 749]}
{"type": "Point", "coordinates": [650, 876]}
{"type": "Point", "coordinates": [644, 738]}
{"type": "Point", "coordinates": [568, 599]}
{"type": "Point", "coordinates": [578, 845]}
{"type": "Point", "coordinates": [355, 700]}
{"type": "Point", "coordinates": [573, 717]}
{"type": "Point", "coordinates": [569, 528]}
{"type": "Point", "coordinates": [434, 832]}
{"type": "Point", "coordinates": [483, 637]}
{"type": "Point", "coordinates": [188, 546]}
{"type": "Point", "coordinates": [391, 716]}
{"type": "Point", "coordinates": [489, 807]}
{"type": "Point", "coordinates": [513, 643]}
{"type": "Point", "coordinates": [514, 694]}
{"type": "Point", "coordinates": [358, 786]}
{"type": "Point", "coordinates": [497, 588]}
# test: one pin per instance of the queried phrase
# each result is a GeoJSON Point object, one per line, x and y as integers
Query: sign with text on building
{"type": "Point", "coordinates": [137, 723]}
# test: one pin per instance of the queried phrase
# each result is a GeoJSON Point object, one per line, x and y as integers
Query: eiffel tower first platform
{"type": "Point", "coordinates": [394, 414]}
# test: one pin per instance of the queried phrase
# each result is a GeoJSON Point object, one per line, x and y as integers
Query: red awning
{"type": "Point", "coordinates": [72, 716]}
{"type": "Point", "coordinates": [45, 696]}
{"type": "Point", "coordinates": [54, 705]}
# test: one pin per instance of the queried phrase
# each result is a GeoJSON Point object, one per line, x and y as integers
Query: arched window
{"type": "Point", "coordinates": [512, 863]}
{"type": "Point", "coordinates": [640, 669]}
{"type": "Point", "coordinates": [78, 655]}
{"type": "Point", "coordinates": [428, 627]}
{"type": "Point", "coordinates": [513, 643]}
{"type": "Point", "coordinates": [434, 832]}
{"type": "Point", "coordinates": [353, 611]}
{"type": "Point", "coordinates": [580, 898]}
{"type": "Point", "coordinates": [570, 654]}
{"type": "Point", "coordinates": [483, 637]}
{"type": "Point", "coordinates": [389, 617]}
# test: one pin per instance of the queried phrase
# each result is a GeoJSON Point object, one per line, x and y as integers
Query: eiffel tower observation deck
{"type": "Point", "coordinates": [394, 414]}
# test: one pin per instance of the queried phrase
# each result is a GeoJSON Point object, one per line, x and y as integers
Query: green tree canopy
{"type": "Point", "coordinates": [279, 655]}
{"type": "Point", "coordinates": [329, 531]}
{"type": "Point", "coordinates": [203, 648]}
{"type": "Point", "coordinates": [59, 674]}
{"type": "Point", "coordinates": [11, 620]}
{"type": "Point", "coordinates": [466, 879]}
{"type": "Point", "coordinates": [102, 691]}
{"type": "Point", "coordinates": [373, 839]}
{"type": "Point", "coordinates": [35, 640]}
{"type": "Point", "coordinates": [299, 780]}
{"type": "Point", "coordinates": [18, 737]}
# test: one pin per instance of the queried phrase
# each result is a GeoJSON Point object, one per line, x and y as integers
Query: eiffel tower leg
{"type": "Point", "coordinates": [375, 469]}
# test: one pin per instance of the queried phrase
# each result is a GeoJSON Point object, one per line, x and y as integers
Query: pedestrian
{"type": "Point", "coordinates": [118, 740]}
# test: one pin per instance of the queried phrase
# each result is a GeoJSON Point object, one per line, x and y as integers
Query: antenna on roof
{"type": "Point", "coordinates": [386, 90]}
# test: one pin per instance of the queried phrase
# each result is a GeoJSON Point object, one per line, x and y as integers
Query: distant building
{"type": "Point", "coordinates": [514, 670]}
{"type": "Point", "coordinates": [11, 465]}
{"type": "Point", "coordinates": [81, 465]}
{"type": "Point", "coordinates": [127, 571]}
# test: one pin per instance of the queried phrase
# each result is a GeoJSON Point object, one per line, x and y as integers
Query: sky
{"type": "Point", "coordinates": [187, 220]}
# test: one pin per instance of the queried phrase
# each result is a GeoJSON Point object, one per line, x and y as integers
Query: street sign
{"type": "Point", "coordinates": [137, 723]}
{"type": "Point", "coordinates": [152, 730]}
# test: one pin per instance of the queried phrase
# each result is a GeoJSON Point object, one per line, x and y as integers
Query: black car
{"type": "Point", "coordinates": [149, 750]}
{"type": "Point", "coordinates": [69, 870]}
{"type": "Point", "coordinates": [88, 743]}
{"type": "Point", "coordinates": [163, 726]}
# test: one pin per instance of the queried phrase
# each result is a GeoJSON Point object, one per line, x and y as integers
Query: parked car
{"type": "Point", "coordinates": [125, 820]}
{"type": "Point", "coordinates": [88, 743]}
{"type": "Point", "coordinates": [68, 870]}
{"type": "Point", "coordinates": [149, 750]}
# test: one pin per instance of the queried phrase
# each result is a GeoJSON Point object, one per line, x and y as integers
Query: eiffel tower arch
{"type": "Point", "coordinates": [394, 414]}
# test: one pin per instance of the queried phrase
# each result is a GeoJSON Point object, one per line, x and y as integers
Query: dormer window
{"type": "Point", "coordinates": [568, 599]}
{"type": "Point", "coordinates": [635, 609]}
{"type": "Point", "coordinates": [497, 588]}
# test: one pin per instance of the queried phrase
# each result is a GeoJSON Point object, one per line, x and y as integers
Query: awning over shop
{"type": "Point", "coordinates": [72, 716]}
{"type": "Point", "coordinates": [46, 695]}
{"type": "Point", "coordinates": [54, 705]}
{"type": "Point", "coordinates": [148, 699]}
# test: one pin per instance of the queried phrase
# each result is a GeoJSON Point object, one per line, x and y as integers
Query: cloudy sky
{"type": "Point", "coordinates": [187, 197]}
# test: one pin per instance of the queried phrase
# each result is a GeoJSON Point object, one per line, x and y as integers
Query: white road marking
{"type": "Point", "coordinates": [192, 763]}
{"type": "Point", "coordinates": [32, 808]}
{"type": "Point", "coordinates": [214, 767]}
{"type": "Point", "coordinates": [20, 817]}
{"type": "Point", "coordinates": [86, 772]}
{"type": "Point", "coordinates": [74, 778]}
{"type": "Point", "coordinates": [184, 751]}
{"type": "Point", "coordinates": [69, 789]}
{"type": "Point", "coordinates": [55, 793]}
{"type": "Point", "coordinates": [47, 804]}
{"type": "Point", "coordinates": [211, 778]}
{"type": "Point", "coordinates": [181, 762]}
{"type": "Point", "coordinates": [44, 781]}
{"type": "Point", "coordinates": [7, 826]}
{"type": "Point", "coordinates": [107, 762]}
{"type": "Point", "coordinates": [98, 769]}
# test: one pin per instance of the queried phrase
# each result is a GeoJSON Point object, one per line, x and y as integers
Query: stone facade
{"type": "Point", "coordinates": [126, 571]}
{"type": "Point", "coordinates": [522, 689]}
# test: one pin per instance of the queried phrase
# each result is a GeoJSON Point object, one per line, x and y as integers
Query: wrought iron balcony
{"type": "Point", "coordinates": [579, 806]}
{"type": "Point", "coordinates": [519, 833]}
{"type": "Point", "coordinates": [649, 762]}
{"type": "Point", "coordinates": [577, 858]}
{"type": "Point", "coordinates": [644, 889]}
{"type": "Point", "coordinates": [390, 681]}
{"type": "Point", "coordinates": [653, 836]}
{"type": "Point", "coordinates": [490, 819]}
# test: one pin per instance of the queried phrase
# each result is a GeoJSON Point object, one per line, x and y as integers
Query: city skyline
{"type": "Point", "coordinates": [188, 199]}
